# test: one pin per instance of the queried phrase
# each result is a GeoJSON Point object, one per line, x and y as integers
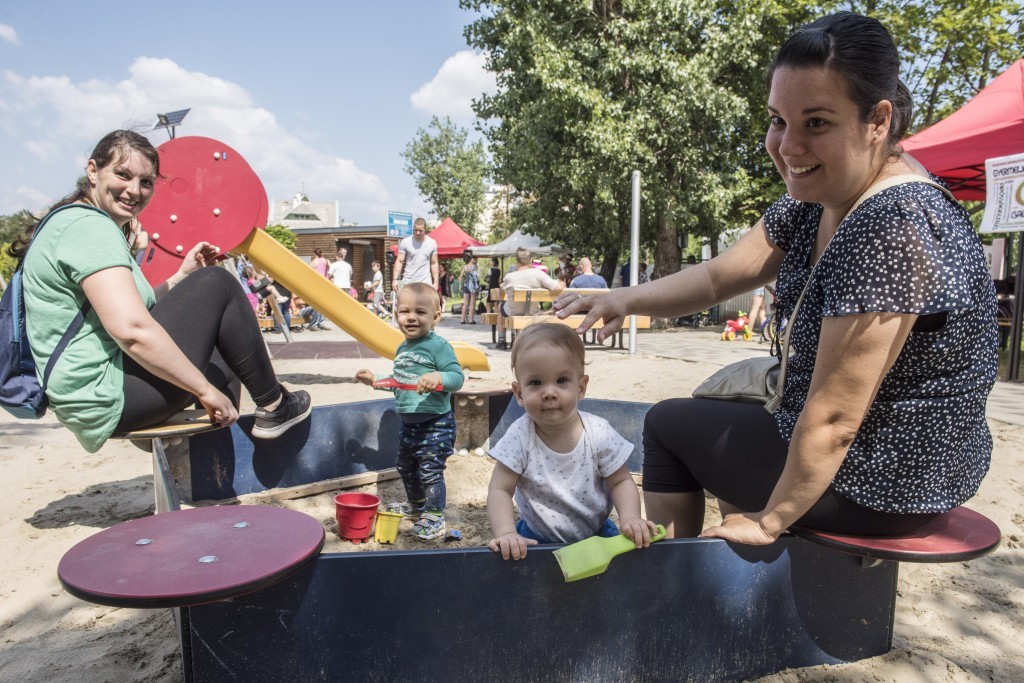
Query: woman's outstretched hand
{"type": "Point", "coordinates": [609, 307]}
{"type": "Point", "coordinates": [740, 528]}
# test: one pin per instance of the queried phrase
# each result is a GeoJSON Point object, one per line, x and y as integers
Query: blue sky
{"type": "Point", "coordinates": [320, 95]}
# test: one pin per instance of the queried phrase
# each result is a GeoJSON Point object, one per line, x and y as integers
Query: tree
{"type": "Point", "coordinates": [12, 227]}
{"type": "Point", "coordinates": [284, 236]}
{"type": "Point", "coordinates": [449, 170]}
{"type": "Point", "coordinates": [587, 92]}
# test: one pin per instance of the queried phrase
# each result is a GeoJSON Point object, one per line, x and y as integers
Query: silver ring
{"type": "Point", "coordinates": [579, 296]}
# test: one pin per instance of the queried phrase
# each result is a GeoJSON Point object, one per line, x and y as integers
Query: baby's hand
{"type": "Point", "coordinates": [638, 530]}
{"type": "Point", "coordinates": [428, 382]}
{"type": "Point", "coordinates": [366, 377]}
{"type": "Point", "coordinates": [511, 545]}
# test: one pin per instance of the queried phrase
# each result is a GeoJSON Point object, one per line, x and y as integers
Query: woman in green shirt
{"type": "Point", "coordinates": [142, 354]}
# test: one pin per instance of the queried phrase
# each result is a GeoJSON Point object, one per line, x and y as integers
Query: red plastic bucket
{"type": "Point", "coordinates": [355, 513]}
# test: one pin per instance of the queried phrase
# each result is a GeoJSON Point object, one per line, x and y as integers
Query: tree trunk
{"type": "Point", "coordinates": [666, 247]}
{"type": "Point", "coordinates": [609, 265]}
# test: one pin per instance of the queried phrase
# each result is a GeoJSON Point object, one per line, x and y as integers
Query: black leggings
{"type": "Point", "coordinates": [211, 320]}
{"type": "Point", "coordinates": [734, 451]}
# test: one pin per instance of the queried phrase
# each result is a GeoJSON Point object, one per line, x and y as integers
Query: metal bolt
{"type": "Point", "coordinates": [216, 212]}
{"type": "Point", "coordinates": [156, 235]}
{"type": "Point", "coordinates": [240, 525]}
{"type": "Point", "coordinates": [174, 218]}
{"type": "Point", "coordinates": [208, 559]}
{"type": "Point", "coordinates": [179, 249]}
{"type": "Point", "coordinates": [216, 156]}
{"type": "Point", "coordinates": [144, 541]}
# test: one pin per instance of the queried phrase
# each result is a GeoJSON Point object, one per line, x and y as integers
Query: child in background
{"type": "Point", "coordinates": [377, 284]}
{"type": "Point", "coordinates": [564, 469]}
{"type": "Point", "coordinates": [427, 439]}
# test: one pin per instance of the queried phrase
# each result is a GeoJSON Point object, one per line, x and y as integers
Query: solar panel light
{"type": "Point", "coordinates": [171, 120]}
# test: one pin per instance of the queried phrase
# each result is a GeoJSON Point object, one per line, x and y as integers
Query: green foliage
{"type": "Point", "coordinates": [589, 91]}
{"type": "Point", "coordinates": [449, 170]}
{"type": "Point", "coordinates": [7, 263]}
{"type": "Point", "coordinates": [283, 235]}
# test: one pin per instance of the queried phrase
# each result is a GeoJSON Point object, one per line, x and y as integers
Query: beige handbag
{"type": "Point", "coordinates": [761, 380]}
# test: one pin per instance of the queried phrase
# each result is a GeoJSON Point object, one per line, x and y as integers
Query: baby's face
{"type": "Point", "coordinates": [549, 384]}
{"type": "Point", "coordinates": [417, 313]}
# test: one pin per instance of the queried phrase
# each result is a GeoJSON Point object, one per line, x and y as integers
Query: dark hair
{"type": "Point", "coordinates": [112, 148]}
{"type": "Point", "coordinates": [318, 251]}
{"type": "Point", "coordinates": [862, 52]}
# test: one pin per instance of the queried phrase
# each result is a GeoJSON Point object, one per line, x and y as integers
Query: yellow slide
{"type": "Point", "coordinates": [337, 306]}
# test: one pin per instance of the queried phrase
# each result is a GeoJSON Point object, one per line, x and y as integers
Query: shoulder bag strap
{"type": "Point", "coordinates": [885, 184]}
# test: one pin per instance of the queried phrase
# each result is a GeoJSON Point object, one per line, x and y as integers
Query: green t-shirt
{"type": "Point", "coordinates": [86, 388]}
{"type": "Point", "coordinates": [416, 358]}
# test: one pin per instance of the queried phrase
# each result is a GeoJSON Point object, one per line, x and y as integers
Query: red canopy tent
{"type": "Point", "coordinates": [990, 125]}
{"type": "Point", "coordinates": [451, 240]}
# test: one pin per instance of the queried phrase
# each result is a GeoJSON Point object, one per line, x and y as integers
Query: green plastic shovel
{"type": "Point", "coordinates": [591, 556]}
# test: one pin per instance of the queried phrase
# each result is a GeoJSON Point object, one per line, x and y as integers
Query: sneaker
{"type": "Point", "coordinates": [501, 346]}
{"type": "Point", "coordinates": [407, 509]}
{"type": "Point", "coordinates": [430, 526]}
{"type": "Point", "coordinates": [295, 407]}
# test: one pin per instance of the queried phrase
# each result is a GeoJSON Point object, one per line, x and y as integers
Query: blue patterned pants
{"type": "Point", "coordinates": [422, 452]}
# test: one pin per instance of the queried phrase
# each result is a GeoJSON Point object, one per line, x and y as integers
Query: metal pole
{"type": "Point", "coordinates": [1018, 310]}
{"type": "Point", "coordinates": [634, 254]}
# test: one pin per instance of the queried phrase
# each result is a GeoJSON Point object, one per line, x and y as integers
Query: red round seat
{"type": "Point", "coordinates": [190, 557]}
{"type": "Point", "coordinates": [956, 536]}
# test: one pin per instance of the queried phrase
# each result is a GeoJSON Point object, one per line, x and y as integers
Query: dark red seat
{"type": "Point", "coordinates": [956, 536]}
{"type": "Point", "coordinates": [191, 557]}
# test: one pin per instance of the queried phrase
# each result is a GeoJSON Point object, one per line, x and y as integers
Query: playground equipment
{"type": "Point", "coordinates": [697, 609]}
{"type": "Point", "coordinates": [207, 191]}
{"type": "Point", "coordinates": [740, 325]}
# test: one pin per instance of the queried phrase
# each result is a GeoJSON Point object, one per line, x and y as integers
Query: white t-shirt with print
{"type": "Point", "coordinates": [563, 496]}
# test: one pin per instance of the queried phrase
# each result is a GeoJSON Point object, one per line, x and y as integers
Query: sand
{"type": "Point", "coordinates": [954, 622]}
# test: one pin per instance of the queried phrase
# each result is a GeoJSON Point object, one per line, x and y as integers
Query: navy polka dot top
{"type": "Point", "coordinates": [924, 445]}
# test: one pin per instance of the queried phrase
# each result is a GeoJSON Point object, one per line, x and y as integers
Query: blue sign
{"type": "Point", "coordinates": [399, 224]}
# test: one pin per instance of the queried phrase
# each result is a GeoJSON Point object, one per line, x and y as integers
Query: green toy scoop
{"type": "Point", "coordinates": [591, 556]}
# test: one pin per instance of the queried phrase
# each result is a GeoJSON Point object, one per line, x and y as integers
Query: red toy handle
{"type": "Point", "coordinates": [392, 383]}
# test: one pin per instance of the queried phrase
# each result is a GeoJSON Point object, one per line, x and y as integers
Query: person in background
{"type": "Point", "coordinates": [586, 278]}
{"type": "Point", "coordinates": [470, 288]}
{"type": "Point", "coordinates": [417, 258]}
{"type": "Point", "coordinates": [641, 275]}
{"type": "Point", "coordinates": [882, 422]}
{"type": "Point", "coordinates": [340, 273]}
{"type": "Point", "coordinates": [565, 469]}
{"type": "Point", "coordinates": [141, 354]}
{"type": "Point", "coordinates": [319, 263]}
{"type": "Point", "coordinates": [444, 284]}
{"type": "Point", "coordinates": [493, 282]}
{"type": "Point", "coordinates": [524, 277]}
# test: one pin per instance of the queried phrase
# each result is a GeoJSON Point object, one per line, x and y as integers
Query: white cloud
{"type": "Point", "coordinates": [460, 79]}
{"type": "Point", "coordinates": [55, 119]}
{"type": "Point", "coordinates": [9, 35]}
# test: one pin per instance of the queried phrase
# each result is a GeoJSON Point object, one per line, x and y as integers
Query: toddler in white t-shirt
{"type": "Point", "coordinates": [564, 469]}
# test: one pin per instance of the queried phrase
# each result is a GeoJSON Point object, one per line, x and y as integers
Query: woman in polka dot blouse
{"type": "Point", "coordinates": [893, 350]}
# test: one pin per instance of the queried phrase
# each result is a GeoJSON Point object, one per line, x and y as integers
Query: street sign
{"type": "Point", "coordinates": [399, 224]}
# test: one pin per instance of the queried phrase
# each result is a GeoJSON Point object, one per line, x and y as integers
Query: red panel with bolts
{"type": "Point", "coordinates": [206, 191]}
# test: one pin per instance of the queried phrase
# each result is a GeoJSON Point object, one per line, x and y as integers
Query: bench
{"type": "Point", "coordinates": [528, 296]}
{"type": "Point", "coordinates": [955, 536]}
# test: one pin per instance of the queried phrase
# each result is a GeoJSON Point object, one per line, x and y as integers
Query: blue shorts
{"type": "Point", "coordinates": [523, 529]}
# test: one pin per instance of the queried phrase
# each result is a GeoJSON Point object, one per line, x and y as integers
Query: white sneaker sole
{"type": "Point", "coordinates": [274, 432]}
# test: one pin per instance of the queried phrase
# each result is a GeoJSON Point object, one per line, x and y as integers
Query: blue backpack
{"type": "Point", "coordinates": [20, 392]}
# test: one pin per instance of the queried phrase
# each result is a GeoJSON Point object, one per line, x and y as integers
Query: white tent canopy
{"type": "Point", "coordinates": [508, 246]}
